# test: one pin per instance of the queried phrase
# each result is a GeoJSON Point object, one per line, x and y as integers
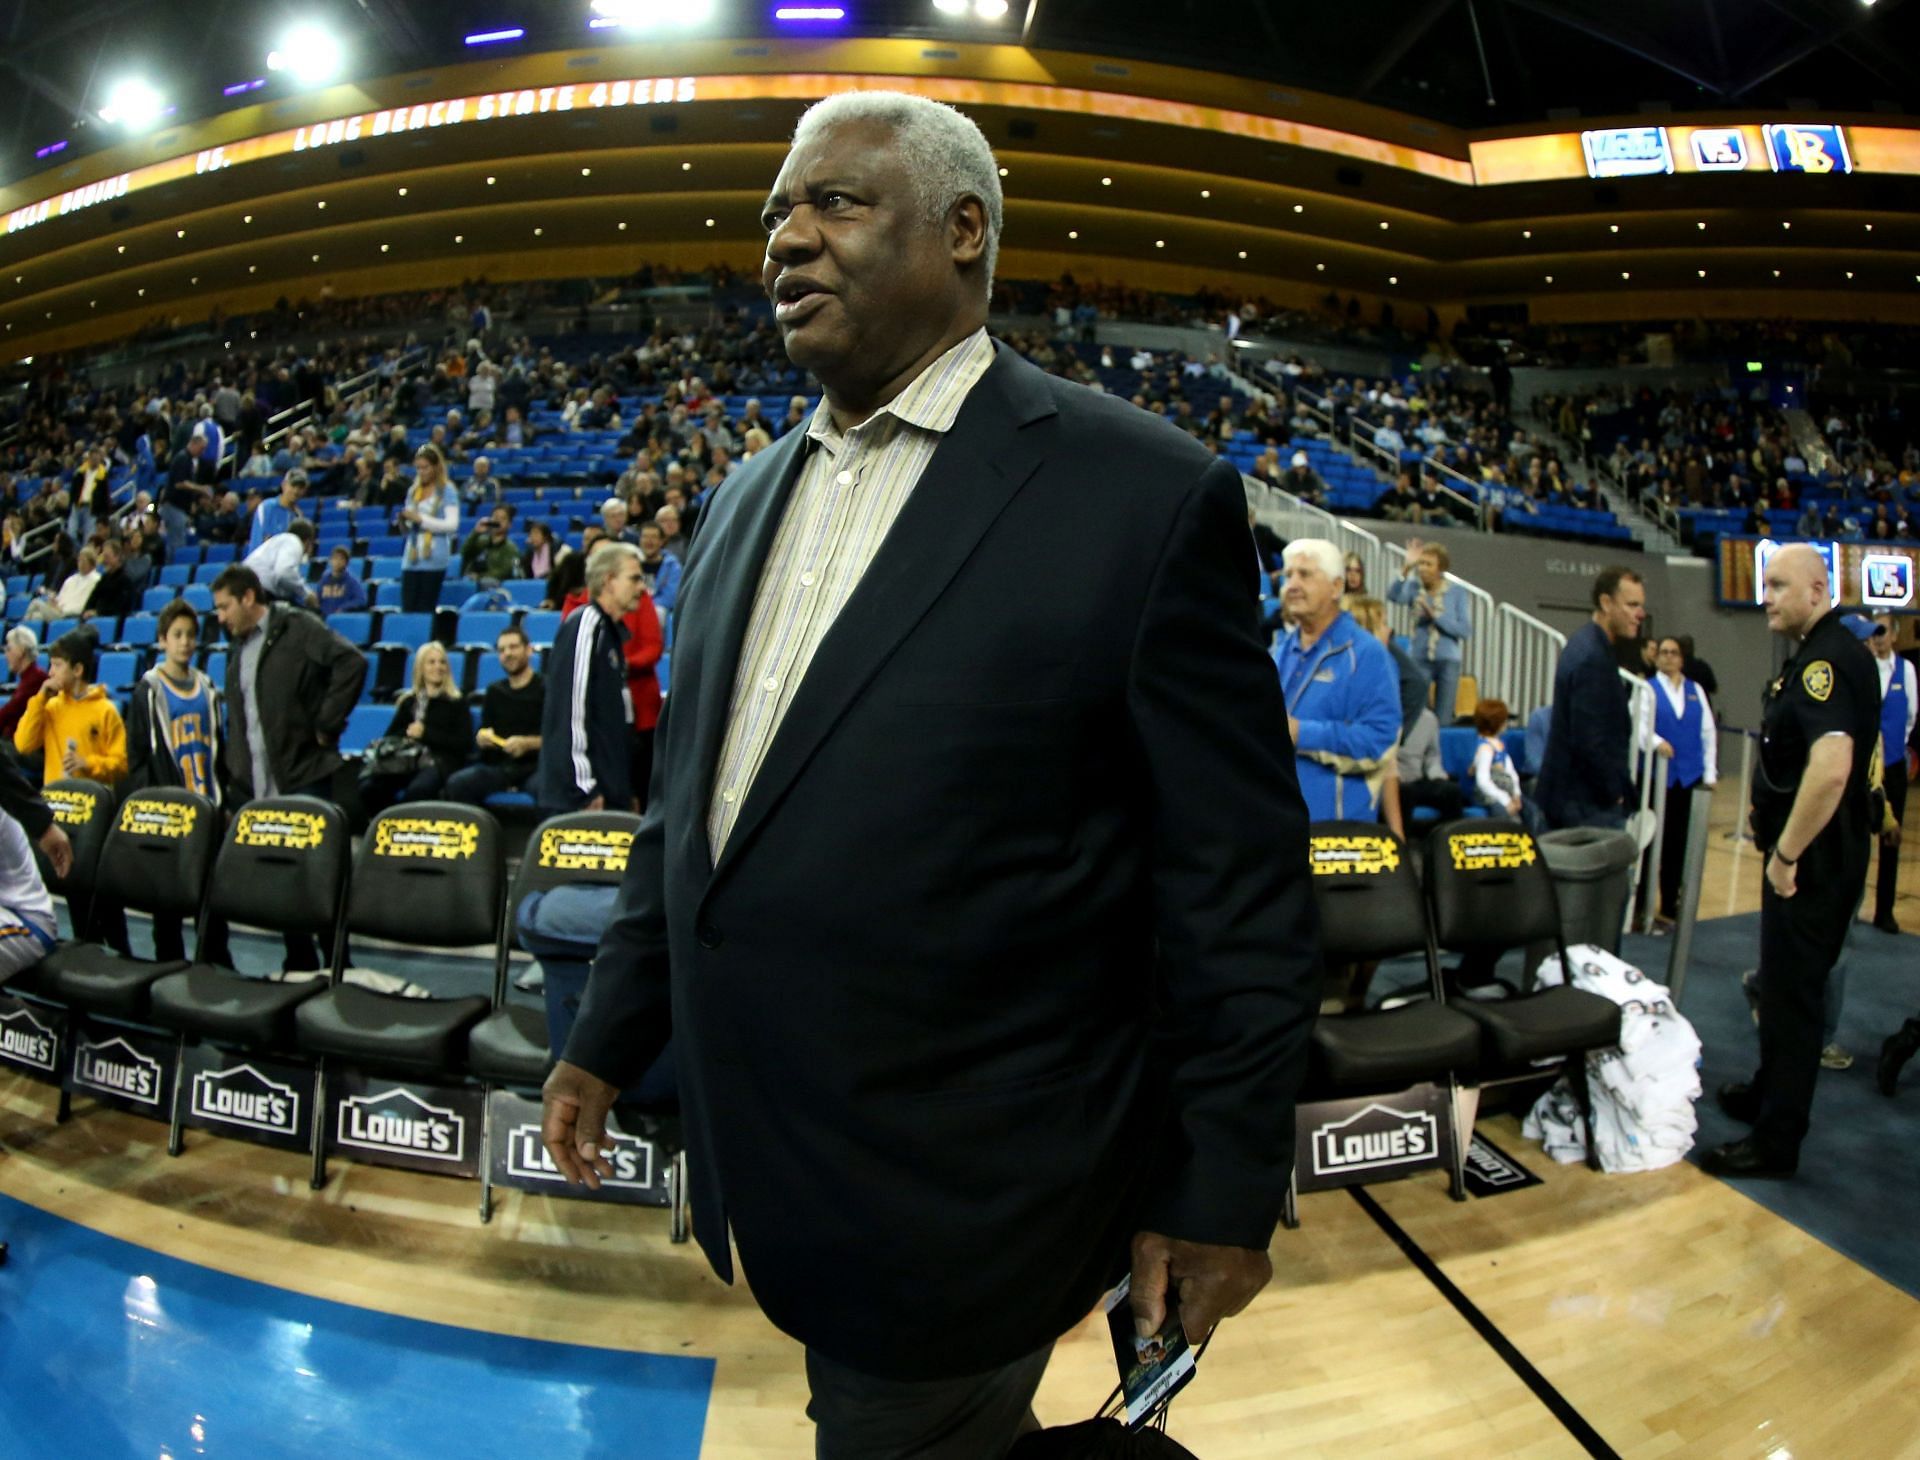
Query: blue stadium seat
{"type": "Point", "coordinates": [542, 626]}
{"type": "Point", "coordinates": [478, 630]}
{"type": "Point", "coordinates": [137, 631]}
{"type": "Point", "coordinates": [116, 670]}
{"type": "Point", "coordinates": [175, 574]}
{"type": "Point", "coordinates": [152, 601]}
{"type": "Point", "coordinates": [198, 594]}
{"type": "Point", "coordinates": [365, 723]}
{"type": "Point", "coordinates": [524, 592]}
{"type": "Point", "coordinates": [403, 630]}
{"type": "Point", "coordinates": [216, 667]}
{"type": "Point", "coordinates": [355, 628]}
{"type": "Point", "coordinates": [486, 671]}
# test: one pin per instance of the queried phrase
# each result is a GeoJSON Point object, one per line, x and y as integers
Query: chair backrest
{"type": "Point", "coordinates": [542, 626]}
{"type": "Point", "coordinates": [356, 627]}
{"type": "Point", "coordinates": [1365, 889]}
{"type": "Point", "coordinates": [160, 851]}
{"type": "Point", "coordinates": [573, 849]}
{"type": "Point", "coordinates": [1488, 886]}
{"type": "Point", "coordinates": [431, 873]}
{"type": "Point", "coordinates": [283, 865]}
{"type": "Point", "coordinates": [84, 811]}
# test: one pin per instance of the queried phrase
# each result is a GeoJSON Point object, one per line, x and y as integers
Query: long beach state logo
{"type": "Point", "coordinates": [1372, 1137]}
{"type": "Point", "coordinates": [117, 1068]}
{"type": "Point", "coordinates": [25, 1040]}
{"type": "Point", "coordinates": [244, 1096]}
{"type": "Point", "coordinates": [630, 1157]}
{"type": "Point", "coordinates": [399, 1120]}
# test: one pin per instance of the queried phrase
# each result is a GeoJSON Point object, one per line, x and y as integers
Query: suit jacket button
{"type": "Point", "coordinates": [709, 935]}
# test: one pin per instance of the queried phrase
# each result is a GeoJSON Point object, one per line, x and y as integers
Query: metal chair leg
{"type": "Point", "coordinates": [678, 1228]}
{"type": "Point", "coordinates": [1457, 1155]}
{"type": "Point", "coordinates": [176, 1135]}
{"type": "Point", "coordinates": [319, 1177]}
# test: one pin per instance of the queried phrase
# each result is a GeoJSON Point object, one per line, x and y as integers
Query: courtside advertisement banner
{"type": "Point", "coordinates": [640, 1149]}
{"type": "Point", "coordinates": [249, 1097]}
{"type": "Point", "coordinates": [1372, 1138]}
{"type": "Point", "coordinates": [417, 1127]}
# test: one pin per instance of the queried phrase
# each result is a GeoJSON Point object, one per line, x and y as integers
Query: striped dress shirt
{"type": "Point", "coordinates": [850, 489]}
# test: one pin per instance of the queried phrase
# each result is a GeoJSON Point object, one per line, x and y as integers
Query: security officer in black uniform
{"type": "Point", "coordinates": [1809, 817]}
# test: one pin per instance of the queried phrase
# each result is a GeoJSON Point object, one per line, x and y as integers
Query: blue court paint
{"type": "Point", "coordinates": [108, 1350]}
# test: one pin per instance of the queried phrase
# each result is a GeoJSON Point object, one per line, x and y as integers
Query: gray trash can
{"type": "Point", "coordinates": [1592, 871]}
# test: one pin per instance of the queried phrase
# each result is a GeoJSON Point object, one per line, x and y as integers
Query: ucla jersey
{"type": "Point", "coordinates": [190, 731]}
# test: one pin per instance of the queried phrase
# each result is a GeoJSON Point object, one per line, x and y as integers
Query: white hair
{"type": "Point", "coordinates": [21, 637]}
{"type": "Point", "coordinates": [1319, 552]}
{"type": "Point", "coordinates": [944, 152]}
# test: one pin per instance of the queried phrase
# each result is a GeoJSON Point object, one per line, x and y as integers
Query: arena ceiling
{"type": "Point", "coordinates": [1466, 63]}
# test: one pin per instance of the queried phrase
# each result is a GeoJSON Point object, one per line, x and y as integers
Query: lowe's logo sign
{"type": "Point", "coordinates": [1374, 1137]}
{"type": "Point", "coordinates": [1627, 151]}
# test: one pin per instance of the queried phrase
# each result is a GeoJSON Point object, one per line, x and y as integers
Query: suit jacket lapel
{"type": "Point", "coordinates": [732, 552]}
{"type": "Point", "coordinates": [974, 474]}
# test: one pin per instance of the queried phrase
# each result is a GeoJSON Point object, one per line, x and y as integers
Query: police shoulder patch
{"type": "Point", "coordinates": [1817, 680]}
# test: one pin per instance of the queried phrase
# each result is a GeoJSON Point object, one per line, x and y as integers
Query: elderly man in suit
{"type": "Point", "coordinates": [974, 895]}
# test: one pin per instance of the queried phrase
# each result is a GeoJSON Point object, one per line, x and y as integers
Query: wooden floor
{"type": "Point", "coordinates": [1675, 1315]}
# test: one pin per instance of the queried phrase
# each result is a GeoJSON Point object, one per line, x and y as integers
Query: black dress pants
{"type": "Point", "coordinates": [1889, 873]}
{"type": "Point", "coordinates": [1673, 848]}
{"type": "Point", "coordinates": [1800, 941]}
{"type": "Point", "coordinates": [859, 1417]}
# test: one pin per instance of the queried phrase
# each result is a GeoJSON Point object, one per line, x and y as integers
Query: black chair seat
{"type": "Point", "coordinates": [1389, 1049]}
{"type": "Point", "coordinates": [92, 976]}
{"type": "Point", "coordinates": [379, 1030]}
{"type": "Point", "coordinates": [39, 981]}
{"type": "Point", "coordinates": [509, 1047]}
{"type": "Point", "coordinates": [1542, 1026]}
{"type": "Point", "coordinates": [219, 1004]}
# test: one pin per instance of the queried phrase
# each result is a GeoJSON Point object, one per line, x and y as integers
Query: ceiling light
{"type": "Point", "coordinates": [1776, 273]}
{"type": "Point", "coordinates": [459, 238]}
{"type": "Point", "coordinates": [1613, 228]}
{"type": "Point", "coordinates": [194, 280]}
{"type": "Point", "coordinates": [1384, 225]}
{"type": "Point", "coordinates": [248, 217]}
{"type": "Point", "coordinates": [1003, 172]}
{"type": "Point", "coordinates": [123, 248]}
{"type": "Point", "coordinates": [989, 9]}
{"type": "Point", "coordinates": [1393, 278]}
{"type": "Point", "coordinates": [321, 204]}
{"type": "Point", "coordinates": [1243, 253]}
{"type": "Point", "coordinates": [1106, 182]}
{"type": "Point", "coordinates": [1320, 268]}
{"type": "Point", "coordinates": [93, 304]}
{"type": "Point", "coordinates": [686, 167]}
{"type": "Point", "coordinates": [180, 233]}
{"type": "Point", "coordinates": [651, 14]}
{"type": "Point", "coordinates": [1625, 275]}
{"type": "Point", "coordinates": [1849, 273]}
{"type": "Point", "coordinates": [1703, 273]}
{"type": "Point", "coordinates": [1526, 233]}
{"type": "Point", "coordinates": [1701, 226]}
{"type": "Point", "coordinates": [950, 7]}
{"type": "Point", "coordinates": [1785, 224]}
{"type": "Point", "coordinates": [586, 172]}
{"type": "Point", "coordinates": [1299, 207]}
{"type": "Point", "coordinates": [1869, 228]}
{"type": "Point", "coordinates": [1206, 192]}
{"type": "Point", "coordinates": [401, 191]}
{"type": "Point", "coordinates": [710, 223]}
{"type": "Point", "coordinates": [1073, 233]}
{"type": "Point", "coordinates": [623, 228]}
{"type": "Point", "coordinates": [385, 246]}
{"type": "Point", "coordinates": [316, 258]}
{"type": "Point", "coordinates": [309, 53]}
{"type": "Point", "coordinates": [1549, 278]}
{"type": "Point", "coordinates": [1159, 243]}
{"type": "Point", "coordinates": [538, 231]}
{"type": "Point", "coordinates": [494, 37]}
{"type": "Point", "coordinates": [253, 268]}
{"type": "Point", "coordinates": [133, 104]}
{"type": "Point", "coordinates": [141, 292]}
{"type": "Point", "coordinates": [489, 182]}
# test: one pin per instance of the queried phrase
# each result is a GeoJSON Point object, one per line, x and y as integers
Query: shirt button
{"type": "Point", "coordinates": [770, 684]}
{"type": "Point", "coordinates": [845, 478]}
{"type": "Point", "coordinates": [806, 580]}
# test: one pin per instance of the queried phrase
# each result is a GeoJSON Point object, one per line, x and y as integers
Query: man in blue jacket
{"type": "Point", "coordinates": [586, 729]}
{"type": "Point", "coordinates": [1586, 778]}
{"type": "Point", "coordinates": [1441, 620]}
{"type": "Point", "coordinates": [1342, 689]}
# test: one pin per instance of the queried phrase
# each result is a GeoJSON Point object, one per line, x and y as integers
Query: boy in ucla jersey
{"type": "Point", "coordinates": [173, 739]}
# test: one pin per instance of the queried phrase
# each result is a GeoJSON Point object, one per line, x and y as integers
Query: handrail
{"type": "Point", "coordinates": [1527, 652]}
{"type": "Point", "coordinates": [1651, 783]}
{"type": "Point", "coordinates": [1470, 498]}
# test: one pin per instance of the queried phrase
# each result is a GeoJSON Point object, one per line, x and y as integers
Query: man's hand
{"type": "Point", "coordinates": [53, 841]}
{"type": "Point", "coordinates": [70, 758]}
{"type": "Point", "coordinates": [573, 1123]}
{"type": "Point", "coordinates": [1781, 876]}
{"type": "Point", "coordinates": [1891, 836]}
{"type": "Point", "coordinates": [1660, 747]}
{"type": "Point", "coordinates": [1211, 1282]}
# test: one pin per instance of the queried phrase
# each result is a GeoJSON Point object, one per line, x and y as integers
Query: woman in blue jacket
{"type": "Point", "coordinates": [1342, 690]}
{"type": "Point", "coordinates": [429, 517]}
{"type": "Point", "coordinates": [1441, 620]}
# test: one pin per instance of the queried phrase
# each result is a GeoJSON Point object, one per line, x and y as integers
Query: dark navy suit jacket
{"type": "Point", "coordinates": [1589, 740]}
{"type": "Point", "coordinates": [1011, 951]}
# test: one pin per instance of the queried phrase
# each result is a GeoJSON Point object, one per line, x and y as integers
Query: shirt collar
{"type": "Point", "coordinates": [931, 401]}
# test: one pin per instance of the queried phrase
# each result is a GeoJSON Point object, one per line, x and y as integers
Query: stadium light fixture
{"type": "Point", "coordinates": [650, 14]}
{"type": "Point", "coordinates": [309, 53]}
{"type": "Point", "coordinates": [950, 7]}
{"type": "Point", "coordinates": [495, 37]}
{"type": "Point", "coordinates": [41, 154]}
{"type": "Point", "coordinates": [133, 104]}
{"type": "Point", "coordinates": [990, 9]}
{"type": "Point", "coordinates": [810, 14]}
{"type": "Point", "coordinates": [241, 88]}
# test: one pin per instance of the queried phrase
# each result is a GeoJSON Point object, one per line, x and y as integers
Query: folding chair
{"type": "Point", "coordinates": [1489, 890]}
{"type": "Point", "coordinates": [1388, 1074]}
{"type": "Point", "coordinates": [431, 874]}
{"type": "Point", "coordinates": [282, 867]}
{"type": "Point", "coordinates": [510, 1046]}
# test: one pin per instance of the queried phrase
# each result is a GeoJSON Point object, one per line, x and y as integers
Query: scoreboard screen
{"type": "Point", "coordinates": [1876, 576]}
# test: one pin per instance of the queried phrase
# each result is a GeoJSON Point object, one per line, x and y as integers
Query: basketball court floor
{"type": "Point", "coordinates": [211, 1304]}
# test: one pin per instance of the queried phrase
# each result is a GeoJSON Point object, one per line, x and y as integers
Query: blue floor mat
{"type": "Point", "coordinates": [108, 1350]}
{"type": "Point", "coordinates": [1859, 1180]}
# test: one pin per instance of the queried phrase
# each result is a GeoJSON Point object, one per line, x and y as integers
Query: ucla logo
{"type": "Point", "coordinates": [1627, 151]}
{"type": "Point", "coordinates": [1807, 147]}
{"type": "Point", "coordinates": [1719, 149]}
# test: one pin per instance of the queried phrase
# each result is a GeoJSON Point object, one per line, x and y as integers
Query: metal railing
{"type": "Point", "coordinates": [1649, 775]}
{"type": "Point", "coordinates": [1510, 654]}
{"type": "Point", "coordinates": [1360, 444]}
